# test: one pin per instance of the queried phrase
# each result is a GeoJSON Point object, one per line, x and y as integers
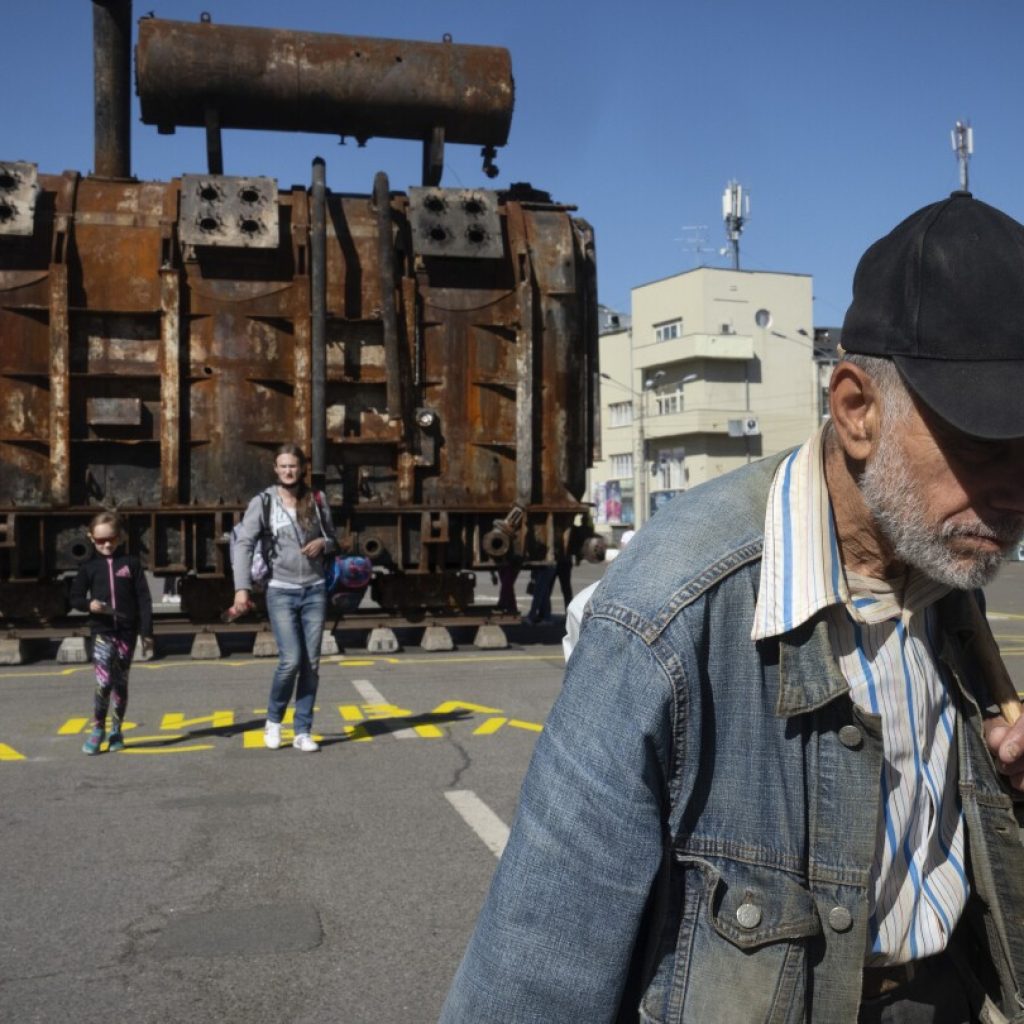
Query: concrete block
{"type": "Point", "coordinates": [205, 646]}
{"type": "Point", "coordinates": [382, 641]}
{"type": "Point", "coordinates": [264, 646]}
{"type": "Point", "coordinates": [328, 645]}
{"type": "Point", "coordinates": [490, 637]}
{"type": "Point", "coordinates": [437, 638]}
{"type": "Point", "coordinates": [73, 650]}
{"type": "Point", "coordinates": [12, 651]}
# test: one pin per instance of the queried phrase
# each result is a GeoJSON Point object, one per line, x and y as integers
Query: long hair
{"type": "Point", "coordinates": [305, 500]}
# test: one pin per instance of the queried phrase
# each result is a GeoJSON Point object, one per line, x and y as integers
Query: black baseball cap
{"type": "Point", "coordinates": [942, 295]}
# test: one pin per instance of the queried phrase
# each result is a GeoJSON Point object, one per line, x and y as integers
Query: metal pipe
{"type": "Point", "coordinates": [318, 303]}
{"type": "Point", "coordinates": [112, 45]}
{"type": "Point", "coordinates": [389, 315]}
{"type": "Point", "coordinates": [313, 82]}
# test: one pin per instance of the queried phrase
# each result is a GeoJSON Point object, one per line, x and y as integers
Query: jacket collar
{"type": "Point", "coordinates": [809, 676]}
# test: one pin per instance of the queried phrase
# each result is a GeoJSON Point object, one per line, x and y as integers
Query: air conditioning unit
{"type": "Point", "coordinates": [751, 426]}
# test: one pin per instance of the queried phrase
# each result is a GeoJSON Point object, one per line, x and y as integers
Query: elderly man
{"type": "Point", "coordinates": [775, 787]}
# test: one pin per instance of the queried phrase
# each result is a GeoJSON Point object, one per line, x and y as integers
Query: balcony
{"type": "Point", "coordinates": [692, 421]}
{"type": "Point", "coordinates": [694, 346]}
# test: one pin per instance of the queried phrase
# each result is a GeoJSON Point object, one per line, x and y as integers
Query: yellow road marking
{"type": "Point", "coordinates": [164, 750]}
{"type": "Point", "coordinates": [515, 723]}
{"type": "Point", "coordinates": [492, 725]}
{"type": "Point", "coordinates": [463, 705]}
{"type": "Point", "coordinates": [73, 726]}
{"type": "Point", "coordinates": [217, 720]}
{"type": "Point", "coordinates": [9, 753]}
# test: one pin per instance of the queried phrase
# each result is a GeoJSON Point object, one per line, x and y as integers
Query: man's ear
{"type": "Point", "coordinates": [856, 410]}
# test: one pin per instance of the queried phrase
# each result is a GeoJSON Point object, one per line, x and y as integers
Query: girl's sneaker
{"type": "Point", "coordinates": [92, 744]}
{"type": "Point", "coordinates": [116, 742]}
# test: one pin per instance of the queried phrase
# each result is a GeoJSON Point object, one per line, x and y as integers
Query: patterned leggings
{"type": "Point", "coordinates": [112, 658]}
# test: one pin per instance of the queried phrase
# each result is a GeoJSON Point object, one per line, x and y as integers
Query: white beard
{"type": "Point", "coordinates": [893, 495]}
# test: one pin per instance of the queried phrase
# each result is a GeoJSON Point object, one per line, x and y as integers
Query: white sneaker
{"type": "Point", "coordinates": [272, 735]}
{"type": "Point", "coordinates": [304, 742]}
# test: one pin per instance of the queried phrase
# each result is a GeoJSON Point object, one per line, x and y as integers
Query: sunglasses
{"type": "Point", "coordinates": [104, 540]}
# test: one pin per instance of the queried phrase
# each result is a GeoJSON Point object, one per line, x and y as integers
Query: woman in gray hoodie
{"type": "Point", "coordinates": [292, 524]}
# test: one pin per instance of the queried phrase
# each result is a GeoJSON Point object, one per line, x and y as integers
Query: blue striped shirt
{"type": "Point", "coordinates": [884, 637]}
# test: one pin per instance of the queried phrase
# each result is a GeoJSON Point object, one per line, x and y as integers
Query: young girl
{"type": "Point", "coordinates": [295, 525]}
{"type": "Point", "coordinates": [113, 589]}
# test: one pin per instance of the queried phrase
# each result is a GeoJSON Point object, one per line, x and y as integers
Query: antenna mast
{"type": "Point", "coordinates": [962, 137]}
{"type": "Point", "coordinates": [695, 240]}
{"type": "Point", "coordinates": [736, 213]}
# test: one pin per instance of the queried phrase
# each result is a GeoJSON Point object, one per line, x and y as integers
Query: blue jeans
{"type": "Point", "coordinates": [297, 618]}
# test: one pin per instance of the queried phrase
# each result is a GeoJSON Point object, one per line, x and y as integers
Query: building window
{"type": "Point", "coordinates": [668, 330]}
{"type": "Point", "coordinates": [669, 400]}
{"type": "Point", "coordinates": [668, 470]}
{"type": "Point", "coordinates": [620, 414]}
{"type": "Point", "coordinates": [622, 466]}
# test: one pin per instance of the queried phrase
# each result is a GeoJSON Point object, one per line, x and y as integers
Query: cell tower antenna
{"type": "Point", "coordinates": [735, 213]}
{"type": "Point", "coordinates": [962, 137]}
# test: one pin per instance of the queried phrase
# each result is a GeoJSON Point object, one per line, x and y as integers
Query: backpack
{"type": "Point", "coordinates": [347, 573]}
{"type": "Point", "coordinates": [343, 574]}
{"type": "Point", "coordinates": [259, 570]}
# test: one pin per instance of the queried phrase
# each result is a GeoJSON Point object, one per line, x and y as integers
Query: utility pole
{"type": "Point", "coordinates": [962, 137]}
{"type": "Point", "coordinates": [735, 213]}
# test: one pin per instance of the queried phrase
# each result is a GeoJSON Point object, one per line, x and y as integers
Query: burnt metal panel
{"type": "Point", "coordinates": [455, 222]}
{"type": "Point", "coordinates": [19, 188]}
{"type": "Point", "coordinates": [228, 211]}
{"type": "Point", "coordinates": [114, 412]}
{"type": "Point", "coordinates": [163, 381]}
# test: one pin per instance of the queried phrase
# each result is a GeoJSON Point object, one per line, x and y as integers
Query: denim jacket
{"type": "Point", "coordinates": [695, 832]}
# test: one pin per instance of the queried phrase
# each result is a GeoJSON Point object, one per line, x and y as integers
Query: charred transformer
{"type": "Point", "coordinates": [433, 350]}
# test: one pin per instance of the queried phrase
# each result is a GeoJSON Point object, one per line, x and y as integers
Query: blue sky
{"type": "Point", "coordinates": [834, 116]}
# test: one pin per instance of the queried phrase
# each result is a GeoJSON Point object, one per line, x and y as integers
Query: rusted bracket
{"type": "Point", "coordinates": [389, 314]}
{"type": "Point", "coordinates": [433, 158]}
{"type": "Point", "coordinates": [214, 150]}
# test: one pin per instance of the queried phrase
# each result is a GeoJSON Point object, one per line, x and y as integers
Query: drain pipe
{"type": "Point", "coordinates": [112, 49]}
{"type": "Point", "coordinates": [318, 301]}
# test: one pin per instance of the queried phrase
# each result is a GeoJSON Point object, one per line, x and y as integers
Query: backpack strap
{"type": "Point", "coordinates": [318, 502]}
{"type": "Point", "coordinates": [266, 545]}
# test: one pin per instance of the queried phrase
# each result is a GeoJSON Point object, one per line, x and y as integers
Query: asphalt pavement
{"type": "Point", "coordinates": [197, 876]}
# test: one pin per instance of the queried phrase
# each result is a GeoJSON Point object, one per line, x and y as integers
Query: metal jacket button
{"type": "Point", "coordinates": [748, 915]}
{"type": "Point", "coordinates": [850, 736]}
{"type": "Point", "coordinates": [839, 919]}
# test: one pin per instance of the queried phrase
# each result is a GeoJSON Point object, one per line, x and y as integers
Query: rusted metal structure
{"type": "Point", "coordinates": [434, 350]}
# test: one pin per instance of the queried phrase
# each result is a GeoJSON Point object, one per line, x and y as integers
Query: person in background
{"type": "Point", "coordinates": [507, 575]}
{"type": "Point", "coordinates": [575, 608]}
{"type": "Point", "coordinates": [297, 535]}
{"type": "Point", "coordinates": [542, 582]}
{"type": "Point", "coordinates": [780, 781]}
{"type": "Point", "coordinates": [112, 588]}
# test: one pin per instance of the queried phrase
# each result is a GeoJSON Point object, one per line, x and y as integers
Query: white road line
{"type": "Point", "coordinates": [480, 818]}
{"type": "Point", "coordinates": [372, 695]}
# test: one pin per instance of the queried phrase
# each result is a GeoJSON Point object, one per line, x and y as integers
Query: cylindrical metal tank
{"type": "Point", "coordinates": [314, 82]}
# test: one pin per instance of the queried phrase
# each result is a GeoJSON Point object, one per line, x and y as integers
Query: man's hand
{"type": "Point", "coordinates": [315, 548]}
{"type": "Point", "coordinates": [147, 646]}
{"type": "Point", "coordinates": [1006, 742]}
{"type": "Point", "coordinates": [100, 607]}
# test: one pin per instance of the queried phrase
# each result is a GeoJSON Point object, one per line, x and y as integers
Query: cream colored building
{"type": "Point", "coordinates": [716, 369]}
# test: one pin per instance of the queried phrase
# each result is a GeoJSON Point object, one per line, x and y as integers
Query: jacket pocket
{"type": "Point", "coordinates": [741, 944]}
